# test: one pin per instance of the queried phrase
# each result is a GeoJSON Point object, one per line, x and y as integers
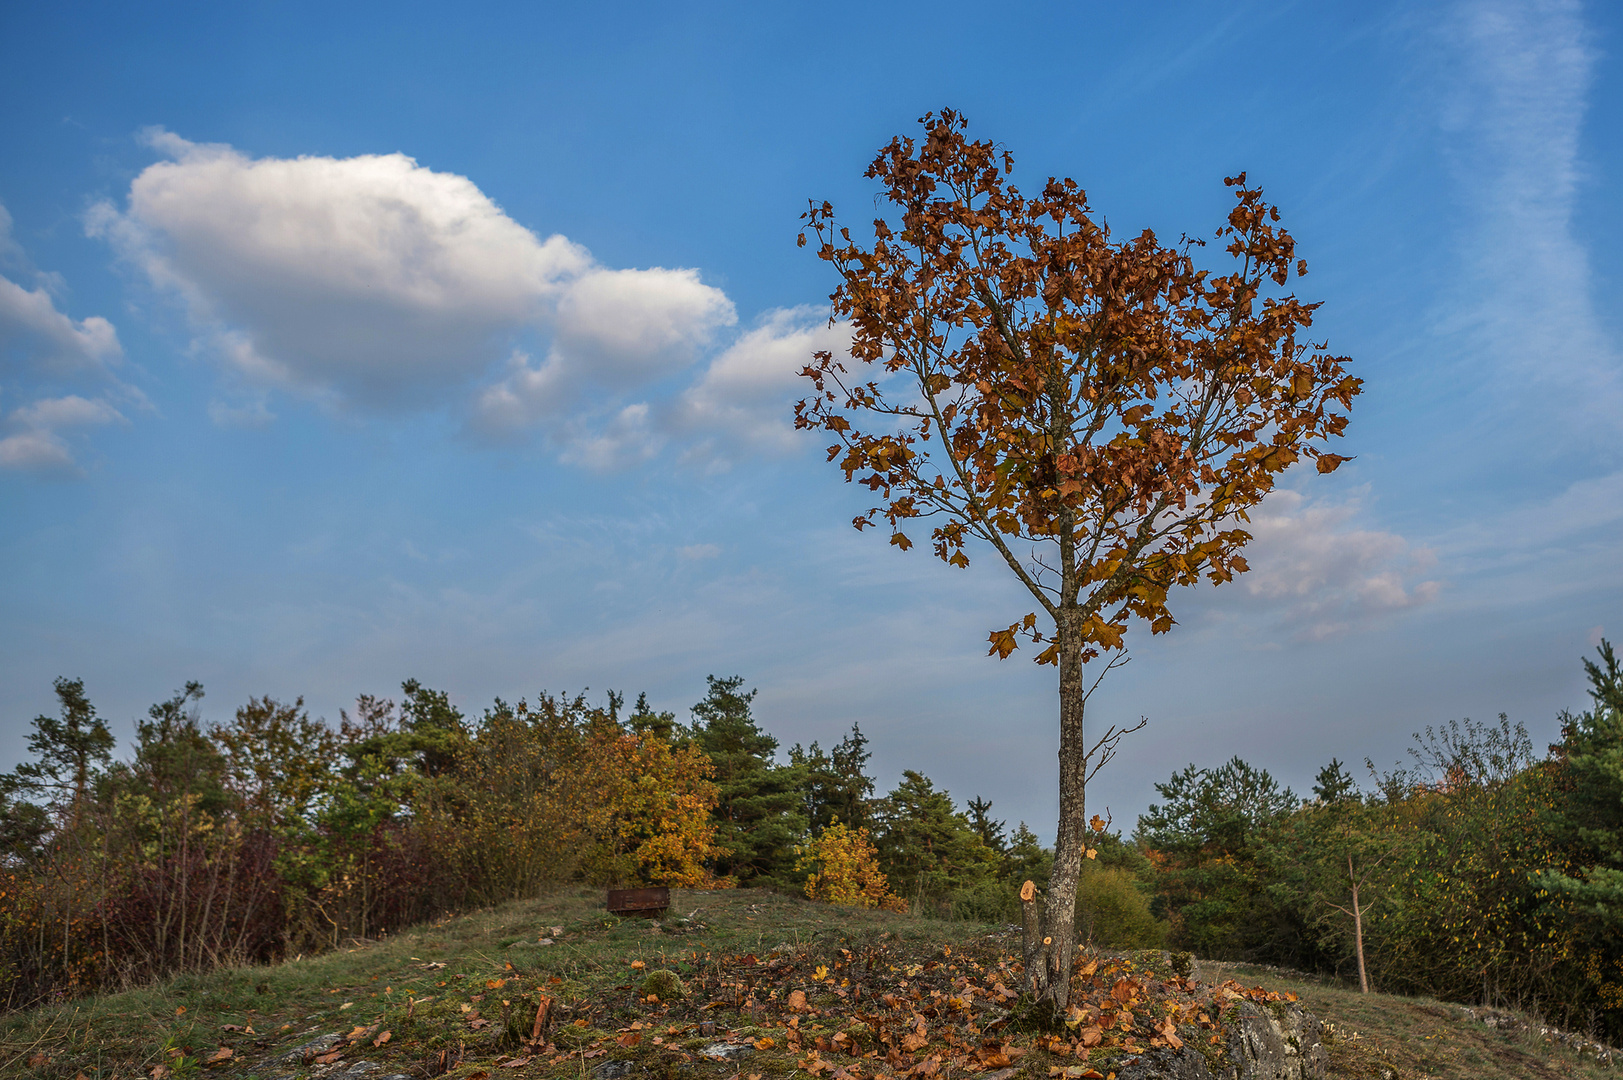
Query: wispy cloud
{"type": "Point", "coordinates": [1517, 74]}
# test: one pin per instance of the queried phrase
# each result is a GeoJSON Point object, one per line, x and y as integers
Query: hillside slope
{"type": "Point", "coordinates": [763, 984]}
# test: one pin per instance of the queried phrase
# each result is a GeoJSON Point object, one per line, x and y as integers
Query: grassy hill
{"type": "Point", "coordinates": [766, 985]}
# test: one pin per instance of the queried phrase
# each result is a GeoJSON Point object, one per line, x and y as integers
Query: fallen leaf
{"type": "Point", "coordinates": [796, 1001]}
{"type": "Point", "coordinates": [159, 1072]}
{"type": "Point", "coordinates": [516, 1063]}
{"type": "Point", "coordinates": [495, 984]}
{"type": "Point", "coordinates": [36, 1059]}
{"type": "Point", "coordinates": [329, 1057]}
{"type": "Point", "coordinates": [223, 1054]}
{"type": "Point", "coordinates": [478, 1023]}
{"type": "Point", "coordinates": [480, 1075]}
{"type": "Point", "coordinates": [381, 1039]}
{"type": "Point", "coordinates": [629, 1039]}
{"type": "Point", "coordinates": [180, 1010]}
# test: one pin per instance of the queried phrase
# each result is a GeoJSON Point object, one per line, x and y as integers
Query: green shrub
{"type": "Point", "coordinates": [1112, 911]}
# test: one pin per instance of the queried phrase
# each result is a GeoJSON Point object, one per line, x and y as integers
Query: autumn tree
{"type": "Point", "coordinates": [1101, 414]}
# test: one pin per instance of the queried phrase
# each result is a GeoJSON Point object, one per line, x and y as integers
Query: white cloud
{"type": "Point", "coordinates": [374, 280]}
{"type": "Point", "coordinates": [745, 398]}
{"type": "Point", "coordinates": [39, 346]}
{"type": "Point", "coordinates": [695, 552]}
{"type": "Point", "coordinates": [35, 335]}
{"type": "Point", "coordinates": [638, 323]}
{"type": "Point", "coordinates": [37, 443]}
{"type": "Point", "coordinates": [1316, 574]}
{"type": "Point", "coordinates": [34, 332]}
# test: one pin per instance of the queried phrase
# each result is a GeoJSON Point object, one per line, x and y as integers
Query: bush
{"type": "Point", "coordinates": [1113, 912]}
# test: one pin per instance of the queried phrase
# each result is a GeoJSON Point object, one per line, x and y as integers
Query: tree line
{"type": "Point", "coordinates": [1480, 870]}
{"type": "Point", "coordinates": [1477, 871]}
{"type": "Point", "coordinates": [271, 833]}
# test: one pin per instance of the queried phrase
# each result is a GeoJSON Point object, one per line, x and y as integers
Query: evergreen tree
{"type": "Point", "coordinates": [1333, 784]}
{"type": "Point", "coordinates": [646, 722]}
{"type": "Point", "coordinates": [1208, 835]}
{"type": "Point", "coordinates": [758, 815]}
{"type": "Point", "coordinates": [927, 848]}
{"type": "Point", "coordinates": [990, 832]}
{"type": "Point", "coordinates": [1026, 859]}
{"type": "Point", "coordinates": [1588, 821]}
{"type": "Point", "coordinates": [835, 787]}
{"type": "Point", "coordinates": [70, 751]}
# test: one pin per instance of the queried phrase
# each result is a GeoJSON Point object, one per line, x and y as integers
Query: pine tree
{"type": "Point", "coordinates": [927, 848]}
{"type": "Point", "coordinates": [1589, 821]}
{"type": "Point", "coordinates": [758, 815]}
{"type": "Point", "coordinates": [990, 832]}
{"type": "Point", "coordinates": [835, 786]}
{"type": "Point", "coordinates": [69, 751]}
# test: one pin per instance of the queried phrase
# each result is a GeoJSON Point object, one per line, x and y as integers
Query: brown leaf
{"type": "Point", "coordinates": [381, 1039]}
{"type": "Point", "coordinates": [796, 1001]}
{"type": "Point", "coordinates": [328, 1058]}
{"type": "Point", "coordinates": [516, 1063]}
{"type": "Point", "coordinates": [223, 1054]}
{"type": "Point", "coordinates": [629, 1039]}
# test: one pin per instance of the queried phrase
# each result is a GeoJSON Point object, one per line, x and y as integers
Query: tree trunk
{"type": "Point", "coordinates": [1358, 930]}
{"type": "Point", "coordinates": [1051, 942]}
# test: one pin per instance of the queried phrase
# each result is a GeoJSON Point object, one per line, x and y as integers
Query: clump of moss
{"type": "Point", "coordinates": [664, 984]}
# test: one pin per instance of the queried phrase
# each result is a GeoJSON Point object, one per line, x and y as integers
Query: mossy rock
{"type": "Point", "coordinates": [664, 984]}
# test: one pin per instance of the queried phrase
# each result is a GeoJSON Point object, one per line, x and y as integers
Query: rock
{"type": "Point", "coordinates": [721, 1051]}
{"type": "Point", "coordinates": [614, 1070]}
{"type": "Point", "coordinates": [1281, 1041]}
{"type": "Point", "coordinates": [664, 984]}
{"type": "Point", "coordinates": [296, 1056]}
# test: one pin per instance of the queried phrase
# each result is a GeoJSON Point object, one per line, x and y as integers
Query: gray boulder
{"type": "Point", "coordinates": [1279, 1041]}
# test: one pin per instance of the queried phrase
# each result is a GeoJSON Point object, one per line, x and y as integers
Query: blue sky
{"type": "Point", "coordinates": [341, 344]}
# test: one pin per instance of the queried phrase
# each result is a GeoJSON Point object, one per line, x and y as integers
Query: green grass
{"type": "Point", "coordinates": [429, 987]}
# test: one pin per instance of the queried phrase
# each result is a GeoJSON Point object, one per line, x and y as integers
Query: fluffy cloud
{"type": "Point", "coordinates": [635, 324]}
{"type": "Point", "coordinates": [34, 333]}
{"type": "Point", "coordinates": [377, 281]}
{"type": "Point", "coordinates": [41, 346]}
{"type": "Point", "coordinates": [744, 398]}
{"type": "Point", "coordinates": [1320, 577]}
{"type": "Point", "coordinates": [37, 443]}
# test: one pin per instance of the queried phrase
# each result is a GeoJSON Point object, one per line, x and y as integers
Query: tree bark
{"type": "Point", "coordinates": [1048, 957]}
{"type": "Point", "coordinates": [1358, 929]}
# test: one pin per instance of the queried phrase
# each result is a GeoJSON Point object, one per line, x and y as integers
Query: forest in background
{"type": "Point", "coordinates": [1481, 870]}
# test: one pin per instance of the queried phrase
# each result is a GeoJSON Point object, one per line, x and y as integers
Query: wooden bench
{"type": "Point", "coordinates": [652, 902]}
